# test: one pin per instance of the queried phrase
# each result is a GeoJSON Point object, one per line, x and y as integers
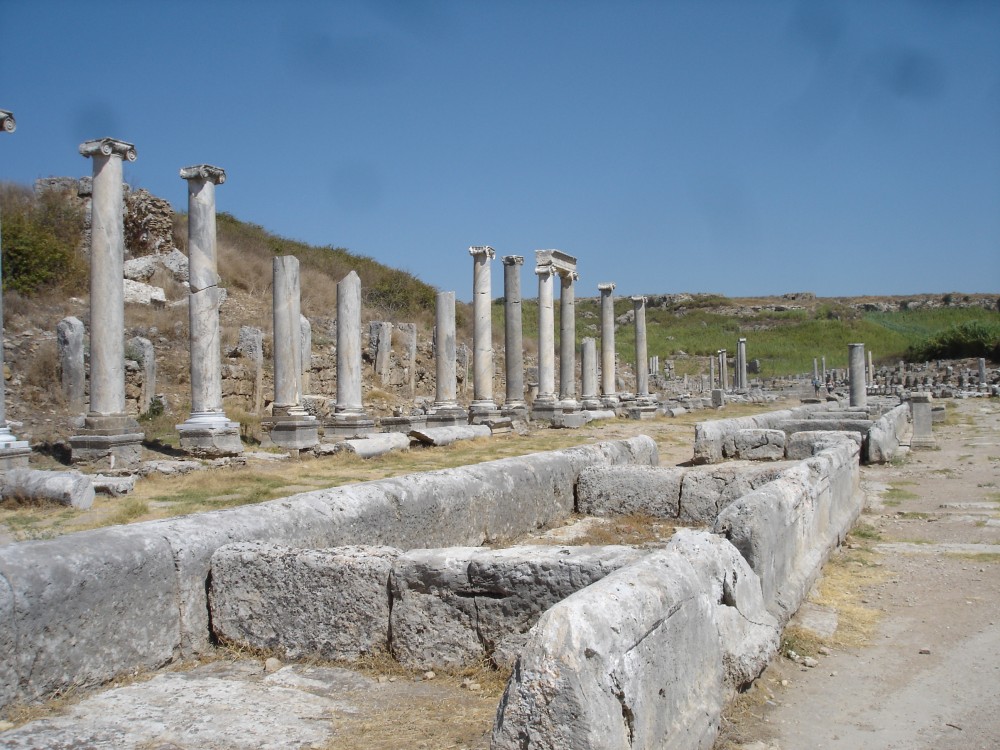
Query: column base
{"type": "Point", "coordinates": [590, 403]}
{"type": "Point", "coordinates": [210, 437]}
{"type": "Point", "coordinates": [925, 443]}
{"type": "Point", "coordinates": [546, 411]}
{"type": "Point", "coordinates": [108, 441]}
{"type": "Point", "coordinates": [402, 424]}
{"type": "Point", "coordinates": [569, 405]}
{"type": "Point", "coordinates": [570, 420]}
{"type": "Point", "coordinates": [447, 415]}
{"type": "Point", "coordinates": [483, 416]}
{"type": "Point", "coordinates": [294, 433]}
{"type": "Point", "coordinates": [349, 425]}
{"type": "Point", "coordinates": [517, 410]}
{"type": "Point", "coordinates": [14, 454]}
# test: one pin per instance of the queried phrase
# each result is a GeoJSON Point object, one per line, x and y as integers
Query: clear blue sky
{"type": "Point", "coordinates": [742, 148]}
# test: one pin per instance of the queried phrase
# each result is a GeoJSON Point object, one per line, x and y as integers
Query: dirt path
{"type": "Point", "coordinates": [927, 562]}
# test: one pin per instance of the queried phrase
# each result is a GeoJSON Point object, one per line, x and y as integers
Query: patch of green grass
{"type": "Point", "coordinates": [865, 531]}
{"type": "Point", "coordinates": [909, 516]}
{"type": "Point", "coordinates": [981, 557]}
{"type": "Point", "coordinates": [894, 495]}
{"type": "Point", "coordinates": [128, 511]}
{"type": "Point", "coordinates": [943, 472]}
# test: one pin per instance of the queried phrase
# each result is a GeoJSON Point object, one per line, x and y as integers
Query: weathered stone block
{"type": "Point", "coordinates": [622, 490]}
{"type": "Point", "coordinates": [706, 491]}
{"type": "Point", "coordinates": [755, 445]}
{"type": "Point", "coordinates": [70, 488]}
{"type": "Point", "coordinates": [331, 603]}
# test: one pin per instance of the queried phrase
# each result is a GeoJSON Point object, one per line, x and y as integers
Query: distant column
{"type": "Point", "coordinates": [641, 369]}
{"type": "Point", "coordinates": [608, 390]}
{"type": "Point", "coordinates": [546, 337]}
{"type": "Point", "coordinates": [712, 362]}
{"type": "Point", "coordinates": [871, 369]}
{"type": "Point", "coordinates": [823, 360]}
{"type": "Point", "coordinates": [513, 346]}
{"type": "Point", "coordinates": [349, 418]}
{"type": "Point", "coordinates": [446, 406]}
{"type": "Point", "coordinates": [482, 331]}
{"type": "Point", "coordinates": [110, 437]}
{"type": "Point", "coordinates": [567, 341]}
{"type": "Point", "coordinates": [982, 370]}
{"type": "Point", "coordinates": [588, 375]}
{"type": "Point", "coordinates": [741, 350]}
{"type": "Point", "coordinates": [207, 432]}
{"type": "Point", "coordinates": [856, 375]}
{"type": "Point", "coordinates": [723, 369]}
{"type": "Point", "coordinates": [815, 369]}
{"type": "Point", "coordinates": [13, 452]}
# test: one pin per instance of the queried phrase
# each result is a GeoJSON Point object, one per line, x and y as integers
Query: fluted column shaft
{"type": "Point", "coordinates": [567, 338]}
{"type": "Point", "coordinates": [641, 356]}
{"type": "Point", "coordinates": [348, 345]}
{"type": "Point", "coordinates": [546, 336]}
{"type": "Point", "coordinates": [287, 339]}
{"type": "Point", "coordinates": [513, 345]}
{"type": "Point", "coordinates": [447, 383]}
{"type": "Point", "coordinates": [482, 331]}
{"type": "Point", "coordinates": [856, 374]}
{"type": "Point", "coordinates": [608, 387]}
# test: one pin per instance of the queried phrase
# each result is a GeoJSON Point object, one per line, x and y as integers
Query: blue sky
{"type": "Point", "coordinates": [741, 148]}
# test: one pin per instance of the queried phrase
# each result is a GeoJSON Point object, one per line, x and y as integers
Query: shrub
{"type": "Point", "coordinates": [972, 338]}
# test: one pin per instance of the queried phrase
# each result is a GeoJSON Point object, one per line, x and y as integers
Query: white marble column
{"type": "Point", "coordinates": [608, 390]}
{"type": "Point", "coordinates": [567, 341]}
{"type": "Point", "coordinates": [871, 369]}
{"type": "Point", "coordinates": [741, 350]}
{"type": "Point", "coordinates": [588, 375]}
{"type": "Point", "coordinates": [287, 339]}
{"type": "Point", "coordinates": [513, 345]}
{"type": "Point", "coordinates": [723, 369]}
{"type": "Point", "coordinates": [815, 369]}
{"type": "Point", "coordinates": [13, 452]}
{"type": "Point", "coordinates": [482, 331]}
{"type": "Point", "coordinates": [823, 362]}
{"type": "Point", "coordinates": [207, 431]}
{"type": "Point", "coordinates": [641, 355]}
{"type": "Point", "coordinates": [110, 437]}
{"type": "Point", "coordinates": [712, 362]}
{"type": "Point", "coordinates": [546, 337]}
{"type": "Point", "coordinates": [856, 375]}
{"type": "Point", "coordinates": [349, 345]}
{"type": "Point", "coordinates": [445, 353]}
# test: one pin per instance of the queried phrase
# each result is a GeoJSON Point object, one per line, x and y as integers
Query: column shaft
{"type": "Point", "coordinates": [567, 339]}
{"type": "Point", "coordinates": [856, 374]}
{"type": "Point", "coordinates": [513, 346]}
{"type": "Point", "coordinates": [348, 345]}
{"type": "Point", "coordinates": [588, 373]}
{"type": "Point", "coordinates": [546, 337]}
{"type": "Point", "coordinates": [482, 332]}
{"type": "Point", "coordinates": [286, 343]}
{"type": "Point", "coordinates": [447, 384]}
{"type": "Point", "coordinates": [641, 366]}
{"type": "Point", "coordinates": [608, 386]}
{"type": "Point", "coordinates": [203, 303]}
{"type": "Point", "coordinates": [742, 351]}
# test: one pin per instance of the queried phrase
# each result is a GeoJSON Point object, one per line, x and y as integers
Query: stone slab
{"type": "Point", "coordinates": [755, 445]}
{"type": "Point", "coordinates": [624, 490]}
{"type": "Point", "coordinates": [440, 436]}
{"type": "Point", "coordinates": [376, 444]}
{"type": "Point", "coordinates": [70, 488]}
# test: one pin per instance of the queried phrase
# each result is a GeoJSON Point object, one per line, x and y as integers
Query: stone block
{"type": "Point", "coordinates": [454, 607]}
{"type": "Point", "coordinates": [137, 293]}
{"type": "Point", "coordinates": [802, 445]}
{"type": "Point", "coordinates": [755, 445]}
{"type": "Point", "coordinates": [69, 338]}
{"type": "Point", "coordinates": [705, 491]}
{"type": "Point", "coordinates": [70, 488]}
{"type": "Point", "coordinates": [374, 445]}
{"type": "Point", "coordinates": [623, 490]}
{"type": "Point", "coordinates": [447, 435]}
{"type": "Point", "coordinates": [331, 603]}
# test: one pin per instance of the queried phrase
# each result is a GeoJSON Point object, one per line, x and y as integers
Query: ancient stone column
{"type": "Point", "coordinates": [608, 390]}
{"type": "Point", "coordinates": [856, 370]}
{"type": "Point", "coordinates": [207, 432]}
{"type": "Point", "coordinates": [305, 353]}
{"type": "Point", "coordinates": [723, 370]}
{"type": "Point", "coordinates": [712, 361]}
{"type": "Point", "coordinates": [815, 369]}
{"type": "Point", "coordinates": [349, 418]}
{"type": "Point", "coordinates": [13, 452]}
{"type": "Point", "coordinates": [567, 342]}
{"type": "Point", "coordinates": [641, 371]}
{"type": "Point", "coordinates": [871, 369]}
{"type": "Point", "coordinates": [588, 375]}
{"type": "Point", "coordinates": [546, 337]}
{"type": "Point", "coordinates": [110, 438]}
{"type": "Point", "coordinates": [823, 360]}
{"type": "Point", "coordinates": [446, 408]}
{"type": "Point", "coordinates": [292, 428]}
{"type": "Point", "coordinates": [513, 346]}
{"type": "Point", "coordinates": [69, 338]}
{"type": "Point", "coordinates": [982, 369]}
{"type": "Point", "coordinates": [482, 333]}
{"type": "Point", "coordinates": [741, 358]}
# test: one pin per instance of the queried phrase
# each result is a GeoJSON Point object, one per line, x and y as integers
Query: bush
{"type": "Point", "coordinates": [973, 338]}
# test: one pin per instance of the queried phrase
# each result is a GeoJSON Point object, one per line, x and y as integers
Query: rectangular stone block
{"type": "Point", "coordinates": [755, 445]}
{"type": "Point", "coordinates": [624, 490]}
{"type": "Point", "coordinates": [332, 603]}
{"type": "Point", "coordinates": [705, 492]}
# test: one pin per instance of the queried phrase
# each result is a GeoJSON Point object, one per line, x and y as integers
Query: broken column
{"type": "Point", "coordinates": [567, 341]}
{"type": "Point", "coordinates": [871, 369]}
{"type": "Point", "coordinates": [823, 360]}
{"type": "Point", "coordinates": [110, 438]}
{"type": "Point", "coordinates": [712, 362]}
{"type": "Point", "coordinates": [921, 413]}
{"type": "Point", "coordinates": [408, 334]}
{"type": "Point", "coordinates": [207, 432]}
{"type": "Point", "coordinates": [514, 405]}
{"type": "Point", "coordinates": [544, 405]}
{"type": "Point", "coordinates": [305, 353]}
{"type": "Point", "coordinates": [588, 375]}
{"type": "Point", "coordinates": [140, 351]}
{"type": "Point", "coordinates": [13, 452]}
{"type": "Point", "coordinates": [446, 410]}
{"type": "Point", "coordinates": [349, 417]}
{"type": "Point", "coordinates": [609, 393]}
{"type": "Point", "coordinates": [69, 338]}
{"type": "Point", "coordinates": [291, 426]}
{"type": "Point", "coordinates": [981, 363]}
{"type": "Point", "coordinates": [741, 362]}
{"type": "Point", "coordinates": [641, 370]}
{"type": "Point", "coordinates": [815, 369]}
{"type": "Point", "coordinates": [856, 375]}
{"type": "Point", "coordinates": [482, 407]}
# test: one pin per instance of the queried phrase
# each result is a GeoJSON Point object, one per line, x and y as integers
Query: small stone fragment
{"type": "Point", "coordinates": [429, 675]}
{"type": "Point", "coordinates": [810, 662]}
{"type": "Point", "coordinates": [272, 665]}
{"type": "Point", "coordinates": [925, 650]}
{"type": "Point", "coordinates": [824, 651]}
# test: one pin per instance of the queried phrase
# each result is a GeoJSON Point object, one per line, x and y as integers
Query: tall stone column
{"type": "Point", "coordinates": [349, 417]}
{"type": "Point", "coordinates": [567, 341]}
{"type": "Point", "coordinates": [712, 362]}
{"type": "Point", "coordinates": [856, 375]}
{"type": "Point", "coordinates": [641, 369]}
{"type": "Point", "coordinates": [110, 438]}
{"type": "Point", "coordinates": [823, 361]}
{"type": "Point", "coordinates": [723, 370]}
{"type": "Point", "coordinates": [981, 363]}
{"type": "Point", "coordinates": [513, 345]}
{"type": "Point", "coordinates": [741, 350]}
{"type": "Point", "coordinates": [482, 405]}
{"type": "Point", "coordinates": [609, 392]}
{"type": "Point", "coordinates": [446, 410]}
{"type": "Point", "coordinates": [13, 452]}
{"type": "Point", "coordinates": [588, 375]}
{"type": "Point", "coordinates": [546, 337]}
{"type": "Point", "coordinates": [207, 432]}
{"type": "Point", "coordinates": [871, 369]}
{"type": "Point", "coordinates": [815, 369]}
{"type": "Point", "coordinates": [292, 428]}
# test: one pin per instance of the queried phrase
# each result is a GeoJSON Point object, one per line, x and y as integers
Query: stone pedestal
{"type": "Point", "coordinates": [207, 432]}
{"type": "Point", "coordinates": [110, 438]}
{"type": "Point", "coordinates": [718, 398]}
{"type": "Point", "coordinates": [482, 407]}
{"type": "Point", "coordinates": [515, 405]}
{"type": "Point", "coordinates": [856, 376]}
{"type": "Point", "coordinates": [609, 393]}
{"type": "Point", "coordinates": [920, 411]}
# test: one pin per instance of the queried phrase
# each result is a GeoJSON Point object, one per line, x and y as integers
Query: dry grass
{"type": "Point", "coordinates": [842, 588]}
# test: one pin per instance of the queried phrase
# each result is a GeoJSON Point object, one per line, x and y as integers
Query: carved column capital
{"type": "Point", "coordinates": [205, 172]}
{"type": "Point", "coordinates": [482, 250]}
{"type": "Point", "coordinates": [545, 270]}
{"type": "Point", "coordinates": [7, 123]}
{"type": "Point", "coordinates": [638, 300]}
{"type": "Point", "coordinates": [108, 147]}
{"type": "Point", "coordinates": [607, 286]}
{"type": "Point", "coordinates": [513, 260]}
{"type": "Point", "coordinates": [568, 277]}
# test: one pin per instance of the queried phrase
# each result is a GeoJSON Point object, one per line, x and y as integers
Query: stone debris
{"type": "Point", "coordinates": [440, 436]}
{"type": "Point", "coordinates": [70, 488]}
{"type": "Point", "coordinates": [138, 293]}
{"type": "Point", "coordinates": [115, 486]}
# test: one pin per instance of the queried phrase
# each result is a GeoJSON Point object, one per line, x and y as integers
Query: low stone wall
{"type": "Point", "coordinates": [887, 432]}
{"type": "Point", "coordinates": [86, 607]}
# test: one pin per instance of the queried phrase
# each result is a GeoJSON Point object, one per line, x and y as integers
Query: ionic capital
{"type": "Point", "coordinates": [569, 277]}
{"type": "Point", "coordinates": [513, 260]}
{"type": "Point", "coordinates": [7, 123]}
{"type": "Point", "coordinates": [608, 286]}
{"type": "Point", "coordinates": [205, 172]}
{"type": "Point", "coordinates": [545, 270]}
{"type": "Point", "coordinates": [486, 250]}
{"type": "Point", "coordinates": [108, 147]}
{"type": "Point", "coordinates": [638, 300]}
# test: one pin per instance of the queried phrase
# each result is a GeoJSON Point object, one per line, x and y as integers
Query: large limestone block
{"type": "Point", "coordinates": [755, 445]}
{"type": "Point", "coordinates": [632, 661]}
{"type": "Point", "coordinates": [748, 633]}
{"type": "Point", "coordinates": [331, 603]}
{"type": "Point", "coordinates": [454, 607]}
{"type": "Point", "coordinates": [85, 608]}
{"type": "Point", "coordinates": [70, 488]}
{"type": "Point", "coordinates": [440, 436]}
{"type": "Point", "coordinates": [885, 434]}
{"type": "Point", "coordinates": [705, 491]}
{"type": "Point", "coordinates": [624, 490]}
{"type": "Point", "coordinates": [790, 426]}
{"type": "Point", "coordinates": [375, 445]}
{"type": "Point", "coordinates": [802, 445]}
